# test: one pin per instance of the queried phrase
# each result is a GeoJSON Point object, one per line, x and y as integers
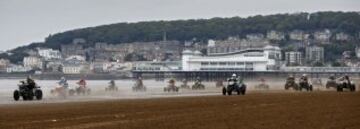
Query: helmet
{"type": "Point", "coordinates": [304, 75]}
{"type": "Point", "coordinates": [234, 75]}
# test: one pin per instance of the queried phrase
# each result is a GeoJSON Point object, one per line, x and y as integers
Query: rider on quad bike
{"type": "Point", "coordinates": [171, 86]}
{"type": "Point", "coordinates": [234, 84]}
{"type": "Point", "coordinates": [61, 88]}
{"type": "Point", "coordinates": [346, 83]}
{"type": "Point", "coordinates": [30, 83]}
{"type": "Point", "coordinates": [112, 86]}
{"type": "Point", "coordinates": [139, 85]}
{"type": "Point", "coordinates": [290, 82]}
{"type": "Point", "coordinates": [184, 84]}
{"type": "Point", "coordinates": [304, 83]}
{"type": "Point", "coordinates": [82, 87]}
{"type": "Point", "coordinates": [198, 85]}
{"type": "Point", "coordinates": [28, 90]}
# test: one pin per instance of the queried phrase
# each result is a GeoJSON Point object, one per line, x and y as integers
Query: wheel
{"type": "Point", "coordinates": [286, 87]}
{"type": "Point", "coordinates": [243, 91]}
{"type": "Point", "coordinates": [352, 88]}
{"type": "Point", "coordinates": [88, 91]}
{"type": "Point", "coordinates": [339, 88]}
{"type": "Point", "coordinates": [16, 95]}
{"type": "Point", "coordinates": [238, 91]}
{"type": "Point", "coordinates": [38, 94]}
{"type": "Point", "coordinates": [71, 92]}
{"type": "Point", "coordinates": [224, 91]}
{"type": "Point", "coordinates": [229, 92]}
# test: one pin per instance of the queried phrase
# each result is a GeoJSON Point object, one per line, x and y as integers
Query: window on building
{"type": "Point", "coordinates": [213, 63]}
{"type": "Point", "coordinates": [231, 63]}
{"type": "Point", "coordinates": [240, 63]}
{"type": "Point", "coordinates": [204, 63]}
{"type": "Point", "coordinates": [222, 63]}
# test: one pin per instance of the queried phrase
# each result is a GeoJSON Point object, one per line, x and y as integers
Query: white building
{"type": "Point", "coordinates": [357, 52]}
{"type": "Point", "coordinates": [297, 35]}
{"type": "Point", "coordinates": [342, 36]}
{"type": "Point", "coordinates": [74, 66]}
{"type": "Point", "coordinates": [49, 54]}
{"type": "Point", "coordinates": [315, 54]}
{"type": "Point", "coordinates": [17, 69]}
{"type": "Point", "coordinates": [33, 62]}
{"type": "Point", "coordinates": [157, 66]}
{"type": "Point", "coordinates": [293, 58]}
{"type": "Point", "coordinates": [252, 59]}
{"type": "Point", "coordinates": [322, 36]}
{"type": "Point", "coordinates": [275, 35]}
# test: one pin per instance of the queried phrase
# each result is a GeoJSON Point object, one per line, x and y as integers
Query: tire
{"type": "Point", "coordinates": [243, 90]}
{"type": "Point", "coordinates": [224, 91]}
{"type": "Point", "coordinates": [339, 88]}
{"type": "Point", "coordinates": [88, 92]}
{"type": "Point", "coordinates": [238, 91]}
{"type": "Point", "coordinates": [39, 94]}
{"type": "Point", "coordinates": [16, 95]}
{"type": "Point", "coordinates": [352, 88]}
{"type": "Point", "coordinates": [229, 90]}
{"type": "Point", "coordinates": [71, 92]}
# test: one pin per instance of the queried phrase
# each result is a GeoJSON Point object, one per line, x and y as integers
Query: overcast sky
{"type": "Point", "coordinates": [26, 21]}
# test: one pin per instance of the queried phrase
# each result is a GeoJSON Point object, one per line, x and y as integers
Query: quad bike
{"type": "Point", "coordinates": [172, 88]}
{"type": "Point", "coordinates": [346, 85]}
{"type": "Point", "coordinates": [139, 87]}
{"type": "Point", "coordinates": [305, 85]}
{"type": "Point", "coordinates": [111, 88]}
{"type": "Point", "coordinates": [232, 86]}
{"type": "Point", "coordinates": [198, 86]}
{"type": "Point", "coordinates": [27, 92]}
{"type": "Point", "coordinates": [331, 83]}
{"type": "Point", "coordinates": [62, 91]}
{"type": "Point", "coordinates": [219, 83]}
{"type": "Point", "coordinates": [82, 90]}
{"type": "Point", "coordinates": [290, 83]}
{"type": "Point", "coordinates": [262, 85]}
{"type": "Point", "coordinates": [184, 85]}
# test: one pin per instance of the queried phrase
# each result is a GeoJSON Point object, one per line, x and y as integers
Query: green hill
{"type": "Point", "coordinates": [204, 29]}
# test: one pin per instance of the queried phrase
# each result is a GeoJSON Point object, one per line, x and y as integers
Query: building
{"type": "Point", "coordinates": [157, 66]}
{"type": "Point", "coordinates": [252, 59]}
{"type": "Point", "coordinates": [255, 37]}
{"type": "Point", "coordinates": [357, 52]}
{"type": "Point", "coordinates": [233, 44]}
{"type": "Point", "coordinates": [74, 66]}
{"type": "Point", "coordinates": [4, 63]}
{"type": "Point", "coordinates": [322, 36]}
{"type": "Point", "coordinates": [298, 35]}
{"type": "Point", "coordinates": [293, 58]}
{"type": "Point", "coordinates": [17, 69]}
{"type": "Point", "coordinates": [314, 54]}
{"type": "Point", "coordinates": [49, 54]}
{"type": "Point", "coordinates": [275, 35]}
{"type": "Point", "coordinates": [342, 36]}
{"type": "Point", "coordinates": [72, 49]}
{"type": "Point", "coordinates": [33, 62]}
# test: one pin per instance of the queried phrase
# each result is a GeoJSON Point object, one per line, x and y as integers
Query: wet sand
{"type": "Point", "coordinates": [260, 110]}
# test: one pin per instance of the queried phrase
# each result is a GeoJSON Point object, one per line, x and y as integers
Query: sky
{"type": "Point", "coordinates": [26, 21]}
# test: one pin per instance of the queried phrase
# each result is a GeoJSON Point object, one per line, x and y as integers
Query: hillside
{"type": "Point", "coordinates": [204, 29]}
